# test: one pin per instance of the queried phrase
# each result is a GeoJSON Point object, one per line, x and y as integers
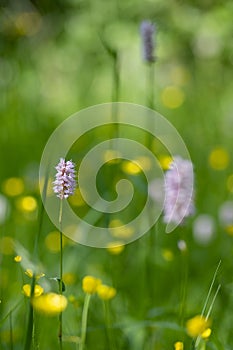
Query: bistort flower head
{"type": "Point", "coordinates": [147, 30]}
{"type": "Point", "coordinates": [65, 183]}
{"type": "Point", "coordinates": [178, 202]}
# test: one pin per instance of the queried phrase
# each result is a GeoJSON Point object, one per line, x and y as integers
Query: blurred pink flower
{"type": "Point", "coordinates": [178, 202]}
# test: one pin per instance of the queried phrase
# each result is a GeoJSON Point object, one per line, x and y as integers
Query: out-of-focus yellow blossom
{"type": "Point", "coordinates": [229, 230]}
{"type": "Point", "coordinates": [27, 204]}
{"type": "Point", "coordinates": [90, 284]}
{"type": "Point", "coordinates": [105, 292]}
{"type": "Point", "coordinates": [6, 245]}
{"type": "Point", "coordinates": [179, 345]}
{"type": "Point", "coordinates": [52, 241]}
{"type": "Point", "coordinates": [219, 158]}
{"type": "Point", "coordinates": [18, 258]}
{"type": "Point", "coordinates": [119, 230]}
{"type": "Point", "coordinates": [165, 161]}
{"type": "Point", "coordinates": [50, 304]}
{"type": "Point", "coordinates": [197, 325]}
{"type": "Point", "coordinates": [69, 278]}
{"type": "Point", "coordinates": [29, 273]}
{"type": "Point", "coordinates": [38, 290]}
{"type": "Point", "coordinates": [172, 97]}
{"type": "Point", "coordinates": [167, 254]}
{"type": "Point", "coordinates": [14, 186]}
{"type": "Point", "coordinates": [130, 167]}
{"type": "Point", "coordinates": [206, 334]}
{"type": "Point", "coordinates": [73, 300]}
{"type": "Point", "coordinates": [115, 248]}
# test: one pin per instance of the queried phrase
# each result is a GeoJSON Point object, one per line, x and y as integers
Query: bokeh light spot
{"type": "Point", "coordinates": [52, 241]}
{"type": "Point", "coordinates": [219, 158]}
{"type": "Point", "coordinates": [172, 97]}
{"type": "Point", "coordinates": [27, 204]}
{"type": "Point", "coordinates": [14, 186]}
{"type": "Point", "coordinates": [131, 168]}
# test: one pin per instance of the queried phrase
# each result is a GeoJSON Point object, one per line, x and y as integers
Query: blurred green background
{"type": "Point", "coordinates": [53, 64]}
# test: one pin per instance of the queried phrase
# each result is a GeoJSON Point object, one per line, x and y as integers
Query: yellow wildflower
{"type": "Point", "coordinates": [38, 290]}
{"type": "Point", "coordinates": [106, 292]}
{"type": "Point", "coordinates": [18, 258]}
{"type": "Point", "coordinates": [206, 334]}
{"type": "Point", "coordinates": [115, 248]}
{"type": "Point", "coordinates": [29, 273]}
{"type": "Point", "coordinates": [90, 284]}
{"type": "Point", "coordinates": [197, 326]}
{"type": "Point", "coordinates": [179, 345]}
{"type": "Point", "coordinates": [50, 304]}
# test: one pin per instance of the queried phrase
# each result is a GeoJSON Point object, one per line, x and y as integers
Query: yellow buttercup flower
{"type": "Point", "coordinates": [105, 292]}
{"type": "Point", "coordinates": [90, 284]}
{"type": "Point", "coordinates": [197, 325]}
{"type": "Point", "coordinates": [18, 258]}
{"type": "Point", "coordinates": [206, 334]}
{"type": "Point", "coordinates": [38, 290]}
{"type": "Point", "coordinates": [165, 161]}
{"type": "Point", "coordinates": [131, 168]}
{"type": "Point", "coordinates": [115, 248]}
{"type": "Point", "coordinates": [29, 273]}
{"type": "Point", "coordinates": [179, 345]}
{"type": "Point", "coordinates": [50, 304]}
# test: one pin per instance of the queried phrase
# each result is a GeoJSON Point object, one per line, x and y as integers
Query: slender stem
{"type": "Point", "coordinates": [28, 340]}
{"type": "Point", "coordinates": [150, 85]}
{"type": "Point", "coordinates": [150, 100]}
{"type": "Point", "coordinates": [11, 331]}
{"type": "Point", "coordinates": [183, 291]}
{"type": "Point", "coordinates": [111, 343]}
{"type": "Point", "coordinates": [84, 320]}
{"type": "Point", "coordinates": [61, 272]}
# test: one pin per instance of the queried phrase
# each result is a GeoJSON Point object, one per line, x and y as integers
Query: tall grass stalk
{"type": "Point", "coordinates": [111, 343]}
{"type": "Point", "coordinates": [30, 324]}
{"type": "Point", "coordinates": [84, 321]}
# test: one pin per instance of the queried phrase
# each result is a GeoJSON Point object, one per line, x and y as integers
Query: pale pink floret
{"type": "Point", "coordinates": [178, 202]}
{"type": "Point", "coordinates": [65, 183]}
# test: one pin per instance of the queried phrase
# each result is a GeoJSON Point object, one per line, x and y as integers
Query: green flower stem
{"type": "Point", "coordinates": [84, 320]}
{"type": "Point", "coordinates": [61, 272]}
{"type": "Point", "coordinates": [30, 325]}
{"type": "Point", "coordinates": [11, 331]}
{"type": "Point", "coordinates": [184, 284]}
{"type": "Point", "coordinates": [28, 341]}
{"type": "Point", "coordinates": [111, 344]}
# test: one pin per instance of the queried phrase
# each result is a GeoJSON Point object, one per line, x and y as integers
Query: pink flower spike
{"type": "Point", "coordinates": [65, 183]}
